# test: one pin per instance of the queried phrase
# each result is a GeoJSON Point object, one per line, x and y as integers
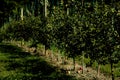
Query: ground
{"type": "Point", "coordinates": [21, 62]}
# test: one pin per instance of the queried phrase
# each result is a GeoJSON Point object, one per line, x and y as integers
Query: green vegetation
{"type": "Point", "coordinates": [17, 64]}
{"type": "Point", "coordinates": [89, 29]}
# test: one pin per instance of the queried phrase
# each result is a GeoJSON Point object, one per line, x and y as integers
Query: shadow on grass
{"type": "Point", "coordinates": [12, 50]}
{"type": "Point", "coordinates": [23, 66]}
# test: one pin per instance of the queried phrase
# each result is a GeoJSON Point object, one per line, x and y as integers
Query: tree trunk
{"type": "Point", "coordinates": [68, 11]}
{"type": "Point", "coordinates": [36, 8]}
{"type": "Point", "coordinates": [112, 72]}
{"type": "Point", "coordinates": [45, 51]}
{"type": "Point", "coordinates": [82, 3]}
{"type": "Point", "coordinates": [21, 13]}
{"type": "Point", "coordinates": [61, 2]}
{"type": "Point", "coordinates": [45, 7]}
{"type": "Point", "coordinates": [98, 70]}
{"type": "Point", "coordinates": [32, 8]}
{"type": "Point", "coordinates": [74, 63]}
{"type": "Point", "coordinates": [91, 62]}
{"type": "Point", "coordinates": [22, 42]}
{"type": "Point", "coordinates": [83, 63]}
{"type": "Point", "coordinates": [51, 55]}
{"type": "Point", "coordinates": [28, 12]}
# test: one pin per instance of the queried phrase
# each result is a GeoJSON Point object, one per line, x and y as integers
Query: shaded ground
{"type": "Point", "coordinates": [19, 65]}
{"type": "Point", "coordinates": [64, 66]}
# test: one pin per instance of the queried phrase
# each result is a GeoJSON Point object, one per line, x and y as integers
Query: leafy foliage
{"type": "Point", "coordinates": [91, 27]}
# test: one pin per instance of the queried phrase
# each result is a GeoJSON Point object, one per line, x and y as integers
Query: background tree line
{"type": "Point", "coordinates": [89, 28]}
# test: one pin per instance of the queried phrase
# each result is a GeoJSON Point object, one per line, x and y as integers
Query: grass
{"type": "Point", "coordinates": [105, 69]}
{"type": "Point", "coordinates": [15, 64]}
